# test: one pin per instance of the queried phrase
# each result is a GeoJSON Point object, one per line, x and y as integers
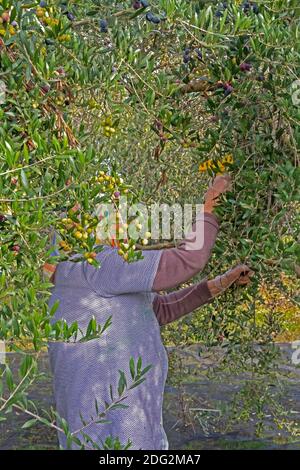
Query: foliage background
{"type": "Point", "coordinates": [168, 116]}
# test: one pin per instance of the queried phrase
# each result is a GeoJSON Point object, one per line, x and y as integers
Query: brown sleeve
{"type": "Point", "coordinates": [179, 264]}
{"type": "Point", "coordinates": [170, 307]}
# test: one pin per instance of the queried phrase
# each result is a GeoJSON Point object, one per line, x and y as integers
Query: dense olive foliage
{"type": "Point", "coordinates": [159, 96]}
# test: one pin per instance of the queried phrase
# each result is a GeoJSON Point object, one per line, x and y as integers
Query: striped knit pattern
{"type": "Point", "coordinates": [83, 372]}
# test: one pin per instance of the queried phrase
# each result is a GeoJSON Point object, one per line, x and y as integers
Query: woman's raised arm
{"type": "Point", "coordinates": [179, 264]}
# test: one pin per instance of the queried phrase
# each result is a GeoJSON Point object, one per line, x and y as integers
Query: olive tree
{"type": "Point", "coordinates": [148, 100]}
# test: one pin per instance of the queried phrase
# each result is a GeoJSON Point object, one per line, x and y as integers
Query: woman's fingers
{"type": "Point", "coordinates": [220, 184]}
{"type": "Point", "coordinates": [239, 275]}
{"type": "Point", "coordinates": [225, 177]}
{"type": "Point", "coordinates": [243, 280]}
{"type": "Point", "coordinates": [245, 274]}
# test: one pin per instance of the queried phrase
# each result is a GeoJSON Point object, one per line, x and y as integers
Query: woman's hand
{"type": "Point", "coordinates": [220, 185]}
{"type": "Point", "coordinates": [239, 275]}
{"type": "Point", "coordinates": [245, 274]}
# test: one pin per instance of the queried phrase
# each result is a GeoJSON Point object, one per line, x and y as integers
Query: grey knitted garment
{"type": "Point", "coordinates": [83, 372]}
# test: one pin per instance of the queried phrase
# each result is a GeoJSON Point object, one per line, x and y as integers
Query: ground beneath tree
{"type": "Point", "coordinates": [195, 430]}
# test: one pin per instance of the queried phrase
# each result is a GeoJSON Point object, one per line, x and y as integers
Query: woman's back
{"type": "Point", "coordinates": [124, 294]}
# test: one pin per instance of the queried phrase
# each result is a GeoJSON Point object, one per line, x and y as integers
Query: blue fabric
{"type": "Point", "coordinates": [83, 372]}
